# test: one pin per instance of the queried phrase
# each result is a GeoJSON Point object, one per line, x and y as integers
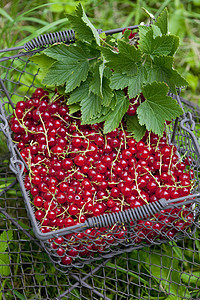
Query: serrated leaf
{"type": "Point", "coordinates": [119, 81]}
{"type": "Point", "coordinates": [156, 31]}
{"type": "Point", "coordinates": [161, 45]}
{"type": "Point", "coordinates": [115, 117]}
{"type": "Point", "coordinates": [134, 82]}
{"type": "Point", "coordinates": [89, 50]}
{"type": "Point", "coordinates": [97, 79]}
{"type": "Point", "coordinates": [102, 35]}
{"type": "Point", "coordinates": [162, 21]}
{"type": "Point", "coordinates": [44, 62]}
{"type": "Point", "coordinates": [107, 92]}
{"type": "Point", "coordinates": [80, 92]}
{"type": "Point", "coordinates": [161, 70]}
{"type": "Point", "coordinates": [4, 264]}
{"type": "Point", "coordinates": [100, 85]}
{"type": "Point", "coordinates": [130, 51]}
{"type": "Point", "coordinates": [74, 108]}
{"type": "Point", "coordinates": [174, 45]}
{"type": "Point", "coordinates": [90, 107]}
{"type": "Point", "coordinates": [143, 30]}
{"type": "Point", "coordinates": [107, 72]}
{"type": "Point", "coordinates": [125, 60]}
{"type": "Point", "coordinates": [137, 81]}
{"type": "Point", "coordinates": [113, 102]}
{"type": "Point", "coordinates": [5, 237]}
{"type": "Point", "coordinates": [72, 68]}
{"type": "Point", "coordinates": [134, 126]}
{"type": "Point", "coordinates": [82, 25]}
{"type": "Point", "coordinates": [61, 52]}
{"type": "Point", "coordinates": [99, 117]}
{"type": "Point", "coordinates": [157, 108]}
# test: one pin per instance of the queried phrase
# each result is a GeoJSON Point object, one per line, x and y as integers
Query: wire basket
{"type": "Point", "coordinates": [154, 272]}
{"type": "Point", "coordinates": [109, 234]}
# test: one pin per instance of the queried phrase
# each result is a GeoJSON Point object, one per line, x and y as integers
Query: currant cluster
{"type": "Point", "coordinates": [76, 172]}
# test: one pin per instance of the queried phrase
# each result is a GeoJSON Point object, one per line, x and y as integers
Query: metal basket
{"type": "Point", "coordinates": [18, 79]}
{"type": "Point", "coordinates": [156, 272]}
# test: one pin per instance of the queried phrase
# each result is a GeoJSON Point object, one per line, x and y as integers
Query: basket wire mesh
{"type": "Point", "coordinates": [154, 272]}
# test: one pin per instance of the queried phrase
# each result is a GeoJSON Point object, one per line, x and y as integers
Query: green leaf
{"type": "Point", "coordinates": [161, 70]}
{"type": "Point", "coordinates": [107, 72]}
{"type": "Point", "coordinates": [89, 50]}
{"type": "Point", "coordinates": [101, 117]}
{"type": "Point", "coordinates": [161, 45]}
{"type": "Point", "coordinates": [100, 85]}
{"type": "Point", "coordinates": [71, 68]}
{"type": "Point", "coordinates": [129, 51]}
{"type": "Point", "coordinates": [119, 81]}
{"type": "Point", "coordinates": [44, 63]}
{"type": "Point", "coordinates": [134, 82]}
{"type": "Point", "coordinates": [42, 60]}
{"type": "Point", "coordinates": [107, 92]}
{"type": "Point", "coordinates": [156, 31]}
{"type": "Point", "coordinates": [191, 278]}
{"type": "Point", "coordinates": [125, 60]}
{"type": "Point", "coordinates": [5, 237]}
{"type": "Point", "coordinates": [134, 126]}
{"type": "Point", "coordinates": [126, 34]}
{"type": "Point", "coordinates": [73, 52]}
{"type": "Point", "coordinates": [4, 264]}
{"type": "Point", "coordinates": [97, 79]}
{"type": "Point", "coordinates": [74, 108]}
{"type": "Point", "coordinates": [175, 44]}
{"type": "Point", "coordinates": [137, 81]}
{"type": "Point", "coordinates": [80, 92]}
{"type": "Point", "coordinates": [115, 117]}
{"type": "Point", "coordinates": [82, 25]}
{"type": "Point", "coordinates": [90, 107]}
{"type": "Point", "coordinates": [62, 52]}
{"type": "Point", "coordinates": [162, 21]}
{"type": "Point", "coordinates": [143, 30]}
{"type": "Point", "coordinates": [113, 102]}
{"type": "Point", "coordinates": [166, 272]}
{"type": "Point", "coordinates": [157, 108]}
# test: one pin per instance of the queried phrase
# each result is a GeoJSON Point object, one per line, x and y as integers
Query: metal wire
{"type": "Point", "coordinates": [67, 36]}
{"type": "Point", "coordinates": [127, 215]}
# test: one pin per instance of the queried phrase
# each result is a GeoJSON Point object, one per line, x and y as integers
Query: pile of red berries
{"type": "Point", "coordinates": [76, 172]}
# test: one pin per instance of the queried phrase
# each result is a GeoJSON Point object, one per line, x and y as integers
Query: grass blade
{"type": "Point", "coordinates": [6, 15]}
{"type": "Point", "coordinates": [42, 30]}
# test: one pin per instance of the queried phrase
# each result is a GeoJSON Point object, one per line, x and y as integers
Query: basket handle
{"type": "Point", "coordinates": [66, 36]}
{"type": "Point", "coordinates": [126, 216]}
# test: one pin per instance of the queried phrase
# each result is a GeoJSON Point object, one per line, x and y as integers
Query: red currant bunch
{"type": "Point", "coordinates": [76, 172]}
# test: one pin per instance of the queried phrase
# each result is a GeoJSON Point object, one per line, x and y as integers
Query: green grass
{"type": "Point", "coordinates": [21, 21]}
